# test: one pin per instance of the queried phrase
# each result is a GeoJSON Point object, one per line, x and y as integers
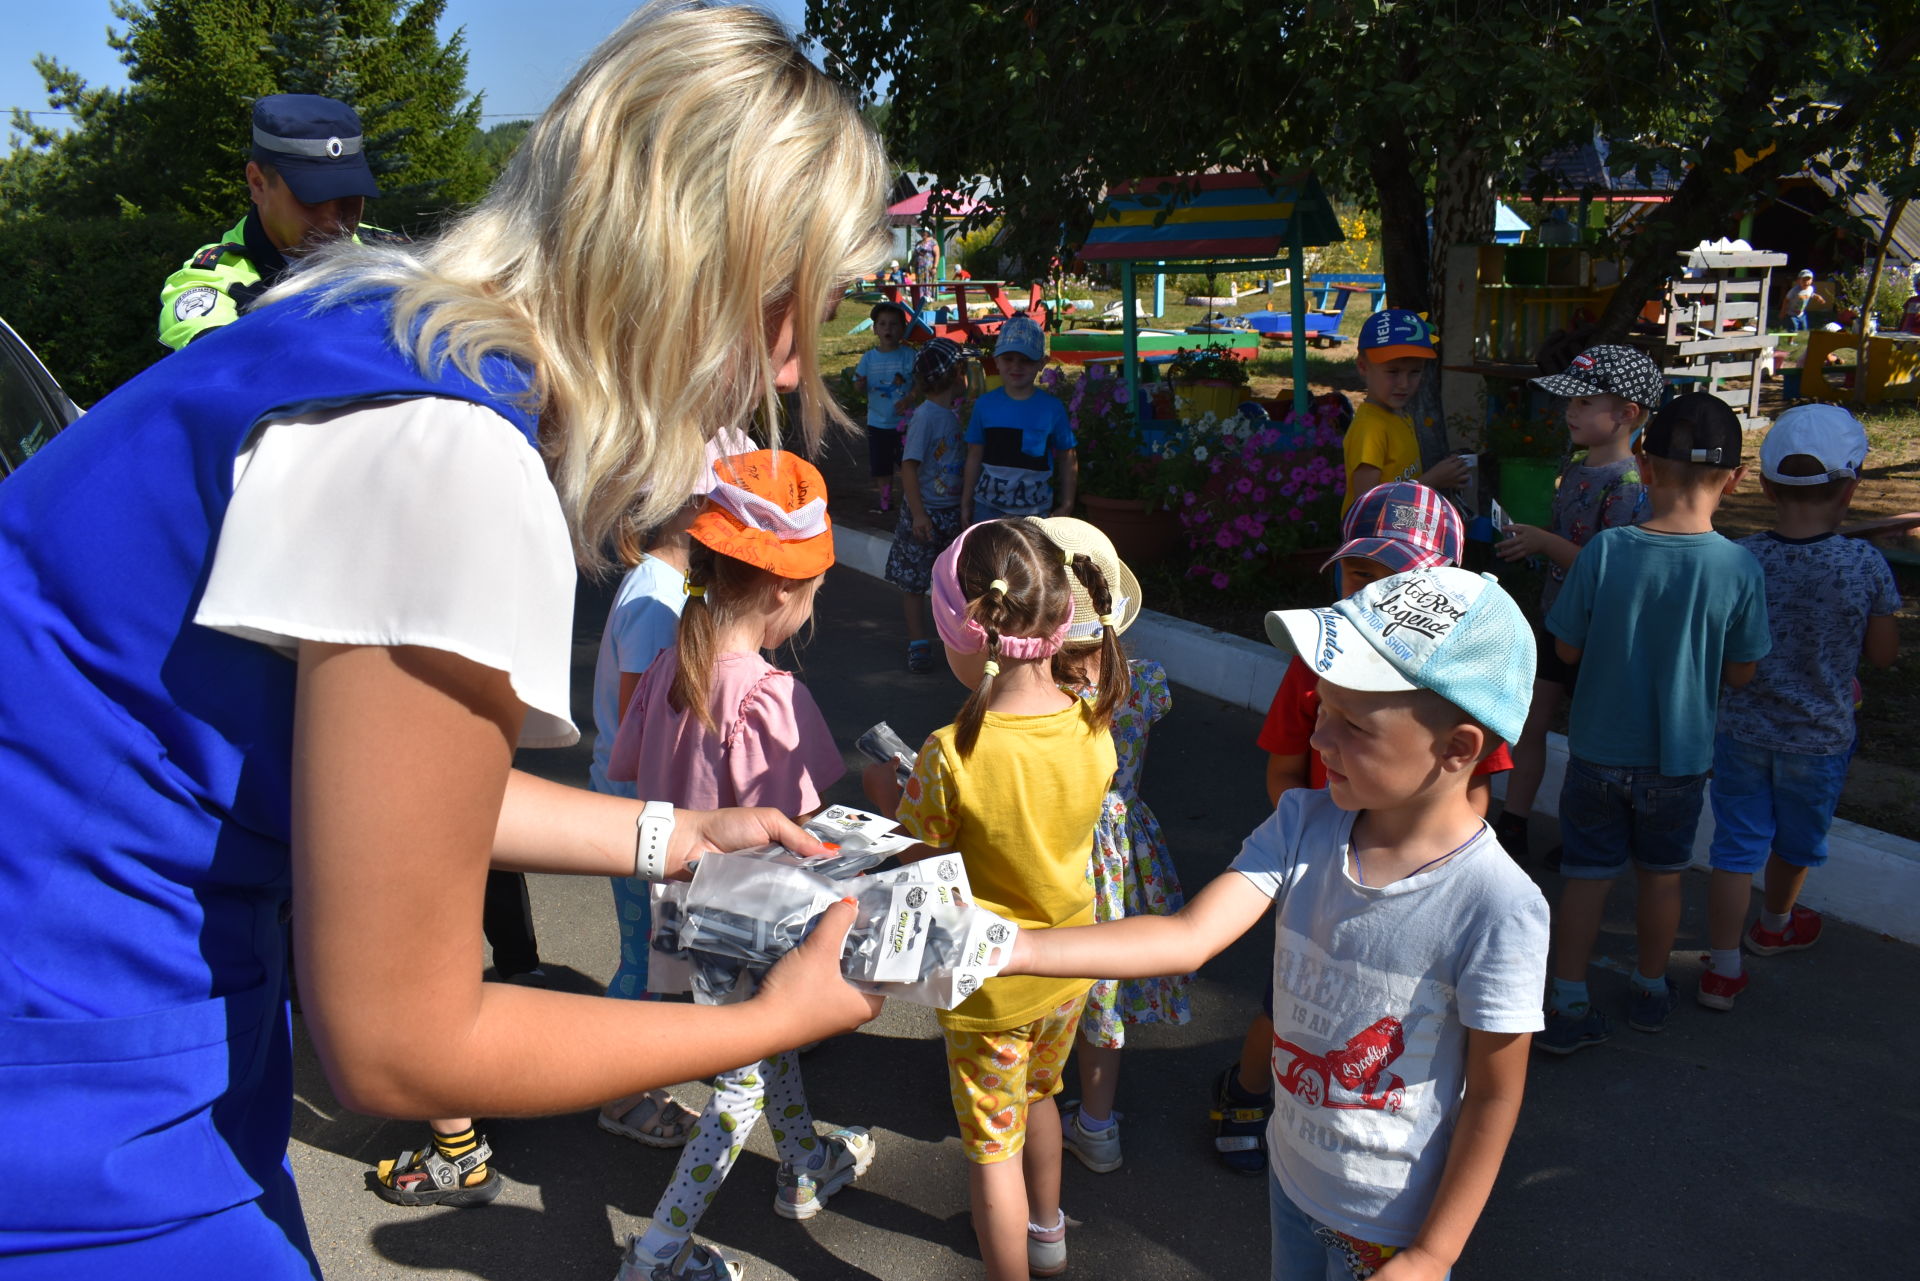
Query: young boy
{"type": "Point", "coordinates": [1785, 740]}
{"type": "Point", "coordinates": [930, 488]}
{"type": "Point", "coordinates": [1011, 433]}
{"type": "Point", "coordinates": [1658, 615]}
{"type": "Point", "coordinates": [1394, 528]}
{"type": "Point", "coordinates": [1408, 949]}
{"type": "Point", "coordinates": [884, 374]}
{"type": "Point", "coordinates": [1395, 349]}
{"type": "Point", "coordinates": [1610, 391]}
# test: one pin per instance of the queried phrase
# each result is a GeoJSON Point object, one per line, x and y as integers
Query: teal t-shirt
{"type": "Point", "coordinates": [1655, 616]}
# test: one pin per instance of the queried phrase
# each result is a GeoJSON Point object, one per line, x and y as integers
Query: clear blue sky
{"type": "Point", "coordinates": [519, 53]}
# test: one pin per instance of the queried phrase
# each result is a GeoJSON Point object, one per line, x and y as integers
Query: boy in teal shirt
{"type": "Point", "coordinates": [1658, 615]}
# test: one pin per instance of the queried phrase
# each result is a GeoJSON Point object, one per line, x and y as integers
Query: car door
{"type": "Point", "coordinates": [32, 406]}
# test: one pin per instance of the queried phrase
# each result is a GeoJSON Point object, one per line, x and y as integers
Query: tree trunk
{"type": "Point", "coordinates": [1404, 255]}
{"type": "Point", "coordinates": [1463, 207]}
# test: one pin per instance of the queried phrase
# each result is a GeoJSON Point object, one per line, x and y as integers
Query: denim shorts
{"type": "Point", "coordinates": [1612, 813]}
{"type": "Point", "coordinates": [1772, 802]}
{"type": "Point", "coordinates": [1306, 1250]}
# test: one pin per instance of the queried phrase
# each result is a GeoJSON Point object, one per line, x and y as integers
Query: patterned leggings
{"type": "Point", "coordinates": [738, 1099]}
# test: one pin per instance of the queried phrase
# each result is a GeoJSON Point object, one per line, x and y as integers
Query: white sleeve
{"type": "Point", "coordinates": [424, 522]}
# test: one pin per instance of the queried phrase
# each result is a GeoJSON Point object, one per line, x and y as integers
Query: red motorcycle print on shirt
{"type": "Point", "coordinates": [1359, 1068]}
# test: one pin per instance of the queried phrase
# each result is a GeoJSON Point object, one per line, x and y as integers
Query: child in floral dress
{"type": "Point", "coordinates": [1132, 871]}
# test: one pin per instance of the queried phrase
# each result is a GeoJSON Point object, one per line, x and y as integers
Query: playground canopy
{"type": "Point", "coordinates": [1199, 222]}
{"type": "Point", "coordinates": [913, 210]}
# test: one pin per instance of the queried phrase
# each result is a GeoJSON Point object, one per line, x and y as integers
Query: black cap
{"type": "Point", "coordinates": [1698, 427]}
{"type": "Point", "coordinates": [886, 305]}
{"type": "Point", "coordinates": [315, 144]}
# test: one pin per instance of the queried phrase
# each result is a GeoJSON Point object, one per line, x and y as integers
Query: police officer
{"type": "Point", "coordinates": [309, 180]}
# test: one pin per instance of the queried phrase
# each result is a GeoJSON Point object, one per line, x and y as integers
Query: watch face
{"type": "Point", "coordinates": [196, 302]}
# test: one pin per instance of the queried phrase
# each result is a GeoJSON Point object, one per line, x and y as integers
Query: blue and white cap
{"type": "Point", "coordinates": [1391, 333]}
{"type": "Point", "coordinates": [1021, 334]}
{"type": "Point", "coordinates": [316, 144]}
{"type": "Point", "coordinates": [1454, 632]}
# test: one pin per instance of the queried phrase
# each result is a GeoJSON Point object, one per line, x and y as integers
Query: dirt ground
{"type": "Point", "coordinates": [1883, 788]}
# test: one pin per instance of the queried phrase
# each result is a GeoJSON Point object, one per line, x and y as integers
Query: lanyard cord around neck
{"type": "Point", "coordinates": [1360, 876]}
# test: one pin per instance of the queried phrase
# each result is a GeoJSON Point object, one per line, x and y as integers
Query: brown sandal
{"type": "Point", "coordinates": [652, 1117]}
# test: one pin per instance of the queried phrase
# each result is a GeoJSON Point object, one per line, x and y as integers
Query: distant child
{"type": "Point", "coordinates": [931, 474]}
{"type": "Point", "coordinates": [1395, 350]}
{"type": "Point", "coordinates": [1658, 616]}
{"type": "Point", "coordinates": [1610, 392]}
{"type": "Point", "coordinates": [1132, 869]}
{"type": "Point", "coordinates": [710, 724]}
{"type": "Point", "coordinates": [1796, 300]}
{"type": "Point", "coordinates": [1785, 739]}
{"type": "Point", "coordinates": [1016, 784]}
{"type": "Point", "coordinates": [1408, 949]}
{"type": "Point", "coordinates": [1018, 436]}
{"type": "Point", "coordinates": [884, 373]}
{"type": "Point", "coordinates": [1393, 529]}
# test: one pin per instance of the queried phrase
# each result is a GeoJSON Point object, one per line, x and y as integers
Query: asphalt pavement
{"type": "Point", "coordinates": [1775, 1140]}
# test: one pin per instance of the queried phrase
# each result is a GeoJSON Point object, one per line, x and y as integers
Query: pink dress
{"type": "Point", "coordinates": [773, 746]}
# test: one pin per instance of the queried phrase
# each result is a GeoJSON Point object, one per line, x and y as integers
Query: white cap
{"type": "Point", "coordinates": [1826, 433]}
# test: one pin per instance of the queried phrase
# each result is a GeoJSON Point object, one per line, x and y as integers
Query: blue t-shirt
{"type": "Point", "coordinates": [1820, 592]}
{"type": "Point", "coordinates": [1656, 615]}
{"type": "Point", "coordinates": [934, 442]}
{"type": "Point", "coordinates": [889, 376]}
{"type": "Point", "coordinates": [643, 621]}
{"type": "Point", "coordinates": [1018, 439]}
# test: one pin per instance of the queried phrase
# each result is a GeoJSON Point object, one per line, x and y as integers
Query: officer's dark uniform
{"type": "Point", "coordinates": [316, 146]}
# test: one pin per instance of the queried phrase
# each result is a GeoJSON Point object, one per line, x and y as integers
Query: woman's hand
{"type": "Point", "coordinates": [806, 986]}
{"type": "Point", "coordinates": [698, 832]}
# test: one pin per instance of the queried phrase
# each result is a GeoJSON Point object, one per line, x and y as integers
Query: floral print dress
{"type": "Point", "coordinates": [1131, 871]}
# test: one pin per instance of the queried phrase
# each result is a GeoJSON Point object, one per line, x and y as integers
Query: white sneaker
{"type": "Point", "coordinates": [803, 1193]}
{"type": "Point", "coordinates": [1098, 1150]}
{"type": "Point", "coordinates": [1047, 1248]}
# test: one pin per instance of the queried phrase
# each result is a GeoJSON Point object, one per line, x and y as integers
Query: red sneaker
{"type": "Point", "coordinates": [1717, 991]}
{"type": "Point", "coordinates": [1803, 931]}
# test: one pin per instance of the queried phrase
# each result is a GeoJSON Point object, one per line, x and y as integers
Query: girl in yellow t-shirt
{"type": "Point", "coordinates": [1016, 785]}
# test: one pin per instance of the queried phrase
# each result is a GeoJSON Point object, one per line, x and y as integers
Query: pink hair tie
{"type": "Point", "coordinates": [964, 635]}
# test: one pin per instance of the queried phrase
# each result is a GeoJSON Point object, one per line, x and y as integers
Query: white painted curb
{"type": "Point", "coordinates": [1871, 878]}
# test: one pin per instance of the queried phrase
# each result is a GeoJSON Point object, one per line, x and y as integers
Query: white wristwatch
{"type": "Point", "coordinates": [652, 832]}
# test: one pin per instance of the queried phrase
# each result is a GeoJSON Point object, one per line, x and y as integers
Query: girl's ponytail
{"type": "Point", "coordinates": [1113, 663]}
{"type": "Point", "coordinates": [990, 611]}
{"type": "Point", "coordinates": [694, 641]}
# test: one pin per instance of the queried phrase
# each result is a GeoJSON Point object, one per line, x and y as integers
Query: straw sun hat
{"type": "Point", "coordinates": [1074, 536]}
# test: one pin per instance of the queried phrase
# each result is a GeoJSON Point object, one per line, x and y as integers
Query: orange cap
{"type": "Point", "coordinates": [769, 509]}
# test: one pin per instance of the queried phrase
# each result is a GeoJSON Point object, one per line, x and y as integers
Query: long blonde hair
{"type": "Point", "coordinates": [695, 182]}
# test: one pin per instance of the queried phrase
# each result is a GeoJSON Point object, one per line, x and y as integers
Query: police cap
{"type": "Point", "coordinates": [316, 145]}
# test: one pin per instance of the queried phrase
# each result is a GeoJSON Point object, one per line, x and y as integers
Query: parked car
{"type": "Point", "coordinates": [32, 406]}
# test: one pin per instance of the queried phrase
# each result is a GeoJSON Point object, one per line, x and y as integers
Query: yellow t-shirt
{"type": "Point", "coordinates": [1021, 811]}
{"type": "Point", "coordinates": [1380, 438]}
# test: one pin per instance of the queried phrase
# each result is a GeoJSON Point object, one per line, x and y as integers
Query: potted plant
{"type": "Point", "coordinates": [1206, 380]}
{"type": "Point", "coordinates": [1120, 487]}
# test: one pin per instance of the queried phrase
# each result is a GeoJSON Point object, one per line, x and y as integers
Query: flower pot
{"type": "Point", "coordinates": [1192, 400]}
{"type": "Point", "coordinates": [1138, 535]}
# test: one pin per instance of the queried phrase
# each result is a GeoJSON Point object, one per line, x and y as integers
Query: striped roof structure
{"type": "Point", "coordinates": [1221, 215]}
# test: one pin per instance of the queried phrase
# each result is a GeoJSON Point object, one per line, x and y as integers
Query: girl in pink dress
{"type": "Point", "coordinates": [712, 719]}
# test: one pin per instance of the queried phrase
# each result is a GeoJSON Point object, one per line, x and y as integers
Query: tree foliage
{"type": "Point", "coordinates": [176, 139]}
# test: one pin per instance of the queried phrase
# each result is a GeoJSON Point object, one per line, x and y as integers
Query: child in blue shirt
{"type": "Point", "coordinates": [930, 475]}
{"type": "Point", "coordinates": [1785, 740]}
{"type": "Point", "coordinates": [884, 374]}
{"type": "Point", "coordinates": [1658, 615]}
{"type": "Point", "coordinates": [1010, 434]}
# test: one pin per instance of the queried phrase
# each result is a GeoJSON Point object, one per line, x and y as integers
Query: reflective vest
{"type": "Point", "coordinates": [221, 280]}
{"type": "Point", "coordinates": [145, 1046]}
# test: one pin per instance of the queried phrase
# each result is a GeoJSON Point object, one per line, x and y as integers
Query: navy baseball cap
{"type": "Point", "coordinates": [1391, 333]}
{"type": "Point", "coordinates": [315, 144]}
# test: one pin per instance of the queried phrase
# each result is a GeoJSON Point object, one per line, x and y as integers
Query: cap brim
{"type": "Point", "coordinates": [1566, 385]}
{"type": "Point", "coordinates": [1394, 351]}
{"type": "Point", "coordinates": [1334, 649]}
{"type": "Point", "coordinates": [314, 182]}
{"type": "Point", "coordinates": [1396, 555]}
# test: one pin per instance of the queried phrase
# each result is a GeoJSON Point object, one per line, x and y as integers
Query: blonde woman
{"type": "Point", "coordinates": [276, 614]}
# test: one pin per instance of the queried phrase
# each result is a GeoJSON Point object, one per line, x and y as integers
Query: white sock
{"type": "Point", "coordinates": [1724, 961]}
{"type": "Point", "coordinates": [1775, 922]}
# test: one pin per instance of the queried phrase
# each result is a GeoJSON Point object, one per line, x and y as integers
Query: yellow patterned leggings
{"type": "Point", "coordinates": [996, 1076]}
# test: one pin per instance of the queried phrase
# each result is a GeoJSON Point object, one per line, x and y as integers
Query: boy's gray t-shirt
{"type": "Point", "coordinates": [1373, 993]}
{"type": "Point", "coordinates": [934, 442]}
{"type": "Point", "coordinates": [1820, 594]}
{"type": "Point", "coordinates": [1588, 500]}
{"type": "Point", "coordinates": [1655, 616]}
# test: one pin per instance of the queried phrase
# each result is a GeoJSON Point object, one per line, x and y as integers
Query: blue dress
{"type": "Point", "coordinates": [145, 765]}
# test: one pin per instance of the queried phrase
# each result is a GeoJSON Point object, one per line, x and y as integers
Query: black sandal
{"type": "Point", "coordinates": [427, 1178]}
{"type": "Point", "coordinates": [1240, 1137]}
